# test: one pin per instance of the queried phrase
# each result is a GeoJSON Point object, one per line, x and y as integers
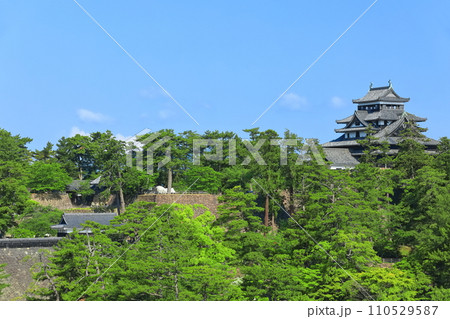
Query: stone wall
{"type": "Point", "coordinates": [60, 201]}
{"type": "Point", "coordinates": [20, 255]}
{"type": "Point", "coordinates": [208, 200]}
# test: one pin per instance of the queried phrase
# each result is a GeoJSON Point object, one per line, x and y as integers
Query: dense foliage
{"type": "Point", "coordinates": [287, 227]}
{"type": "Point", "coordinates": [36, 221]}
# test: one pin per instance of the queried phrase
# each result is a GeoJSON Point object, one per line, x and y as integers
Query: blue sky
{"type": "Point", "coordinates": [224, 61]}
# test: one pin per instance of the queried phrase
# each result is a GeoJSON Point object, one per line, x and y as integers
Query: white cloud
{"type": "Point", "coordinates": [130, 140]}
{"type": "Point", "coordinates": [89, 116]}
{"type": "Point", "coordinates": [75, 130]}
{"type": "Point", "coordinates": [133, 139]}
{"type": "Point", "coordinates": [294, 101]}
{"type": "Point", "coordinates": [337, 102]}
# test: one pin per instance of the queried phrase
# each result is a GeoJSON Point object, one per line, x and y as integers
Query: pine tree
{"type": "Point", "coordinates": [153, 253]}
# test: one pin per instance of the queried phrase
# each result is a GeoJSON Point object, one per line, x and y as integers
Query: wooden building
{"type": "Point", "coordinates": [71, 221]}
{"type": "Point", "coordinates": [384, 111]}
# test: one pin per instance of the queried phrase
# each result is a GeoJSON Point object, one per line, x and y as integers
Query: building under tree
{"type": "Point", "coordinates": [380, 113]}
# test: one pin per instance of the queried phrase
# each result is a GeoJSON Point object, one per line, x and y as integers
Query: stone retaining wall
{"type": "Point", "coordinates": [208, 200]}
{"type": "Point", "coordinates": [19, 255]}
{"type": "Point", "coordinates": [60, 201]}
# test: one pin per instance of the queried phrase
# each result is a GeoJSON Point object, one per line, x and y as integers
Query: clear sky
{"type": "Point", "coordinates": [225, 62]}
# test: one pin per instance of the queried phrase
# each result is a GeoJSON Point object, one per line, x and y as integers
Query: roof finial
{"type": "Point", "coordinates": [390, 84]}
{"type": "Point", "coordinates": [370, 86]}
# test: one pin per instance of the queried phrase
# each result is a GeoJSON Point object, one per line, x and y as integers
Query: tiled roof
{"type": "Point", "coordinates": [340, 157]}
{"type": "Point", "coordinates": [29, 242]}
{"type": "Point", "coordinates": [346, 120]}
{"type": "Point", "coordinates": [388, 115]}
{"type": "Point", "coordinates": [388, 130]}
{"type": "Point", "coordinates": [396, 117]}
{"type": "Point", "coordinates": [341, 143]}
{"type": "Point", "coordinates": [415, 118]}
{"type": "Point", "coordinates": [394, 140]}
{"type": "Point", "coordinates": [351, 129]}
{"type": "Point", "coordinates": [364, 117]}
{"type": "Point", "coordinates": [76, 184]}
{"type": "Point", "coordinates": [75, 220]}
{"type": "Point", "coordinates": [385, 93]}
{"type": "Point", "coordinates": [361, 116]}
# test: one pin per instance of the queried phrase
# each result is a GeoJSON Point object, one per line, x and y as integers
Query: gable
{"type": "Point", "coordinates": [356, 121]}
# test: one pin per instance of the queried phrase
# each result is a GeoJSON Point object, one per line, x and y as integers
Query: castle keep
{"type": "Point", "coordinates": [384, 111]}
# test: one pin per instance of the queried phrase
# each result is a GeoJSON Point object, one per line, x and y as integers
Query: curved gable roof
{"type": "Point", "coordinates": [384, 93]}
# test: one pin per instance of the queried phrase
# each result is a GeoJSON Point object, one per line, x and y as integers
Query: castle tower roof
{"type": "Point", "coordinates": [383, 110]}
{"type": "Point", "coordinates": [381, 94]}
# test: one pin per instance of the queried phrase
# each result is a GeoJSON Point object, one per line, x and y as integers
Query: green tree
{"type": "Point", "coordinates": [47, 177]}
{"type": "Point", "coordinates": [176, 149]}
{"type": "Point", "coordinates": [442, 161]}
{"type": "Point", "coordinates": [439, 294]}
{"type": "Point", "coordinates": [236, 175]}
{"type": "Point", "coordinates": [14, 159]}
{"type": "Point", "coordinates": [186, 259]}
{"type": "Point", "coordinates": [14, 196]}
{"type": "Point", "coordinates": [377, 186]}
{"type": "Point", "coordinates": [270, 267]}
{"type": "Point", "coordinates": [301, 164]}
{"type": "Point", "coordinates": [109, 156]}
{"type": "Point", "coordinates": [165, 254]}
{"type": "Point", "coordinates": [136, 182]}
{"type": "Point", "coordinates": [385, 159]}
{"type": "Point", "coordinates": [36, 221]}
{"type": "Point", "coordinates": [274, 270]}
{"type": "Point", "coordinates": [375, 151]}
{"type": "Point", "coordinates": [75, 156]}
{"type": "Point", "coordinates": [13, 148]}
{"type": "Point", "coordinates": [75, 264]}
{"type": "Point", "coordinates": [265, 167]}
{"type": "Point", "coordinates": [47, 154]}
{"type": "Point", "coordinates": [226, 139]}
{"type": "Point", "coordinates": [239, 214]}
{"type": "Point", "coordinates": [369, 145]}
{"type": "Point", "coordinates": [411, 157]}
{"type": "Point", "coordinates": [337, 226]}
{"type": "Point", "coordinates": [86, 192]}
{"type": "Point", "coordinates": [425, 223]}
{"type": "Point", "coordinates": [387, 284]}
{"type": "Point", "coordinates": [202, 179]}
